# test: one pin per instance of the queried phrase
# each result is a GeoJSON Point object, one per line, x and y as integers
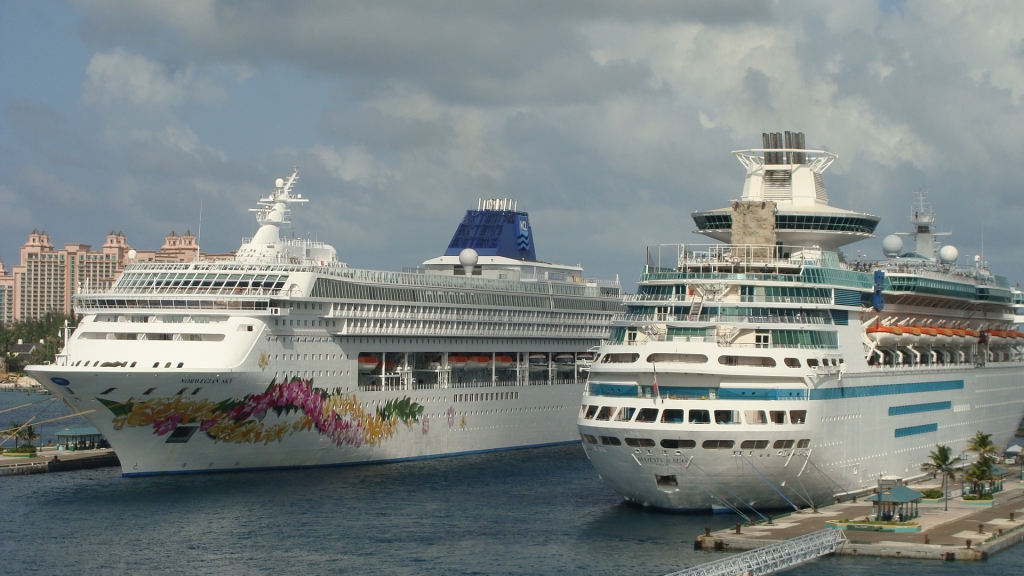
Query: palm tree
{"type": "Point", "coordinates": [28, 434]}
{"type": "Point", "coordinates": [982, 445]}
{"type": "Point", "coordinates": [980, 473]}
{"type": "Point", "coordinates": [12, 432]}
{"type": "Point", "coordinates": [942, 461]}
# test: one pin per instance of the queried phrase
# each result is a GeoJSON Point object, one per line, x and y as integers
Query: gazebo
{"type": "Point", "coordinates": [85, 438]}
{"type": "Point", "coordinates": [889, 503]}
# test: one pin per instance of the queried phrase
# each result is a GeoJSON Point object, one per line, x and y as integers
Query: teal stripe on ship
{"type": "Point", "coordinates": [914, 430]}
{"type": "Point", "coordinates": [918, 408]}
{"type": "Point", "coordinates": [885, 390]}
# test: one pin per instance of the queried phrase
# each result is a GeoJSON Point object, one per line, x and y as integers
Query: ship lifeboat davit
{"type": "Point", "coordinates": [368, 364]}
{"type": "Point", "coordinates": [457, 362]}
{"type": "Point", "coordinates": [503, 361]}
{"type": "Point", "coordinates": [884, 335]}
{"type": "Point", "coordinates": [478, 362]}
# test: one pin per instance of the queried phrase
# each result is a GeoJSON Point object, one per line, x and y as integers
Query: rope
{"type": "Point", "coordinates": [727, 490]}
{"type": "Point", "coordinates": [12, 434]}
{"type": "Point", "coordinates": [25, 405]}
{"type": "Point", "coordinates": [772, 486]}
{"type": "Point", "coordinates": [827, 476]}
{"type": "Point", "coordinates": [713, 495]}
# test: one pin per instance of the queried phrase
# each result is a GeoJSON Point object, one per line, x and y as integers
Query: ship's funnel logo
{"type": "Point", "coordinates": [523, 238]}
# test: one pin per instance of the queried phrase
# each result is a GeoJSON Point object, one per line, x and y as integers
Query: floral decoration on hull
{"type": "Point", "coordinates": [338, 416]}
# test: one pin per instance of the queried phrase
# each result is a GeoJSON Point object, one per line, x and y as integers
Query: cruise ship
{"type": "Point", "coordinates": [286, 357]}
{"type": "Point", "coordinates": [771, 371]}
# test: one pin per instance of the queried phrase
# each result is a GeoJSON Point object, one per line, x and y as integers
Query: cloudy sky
{"type": "Point", "coordinates": [610, 122]}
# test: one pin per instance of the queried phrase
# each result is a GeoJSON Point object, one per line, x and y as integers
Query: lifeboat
{"type": "Point", "coordinates": [503, 361]}
{"type": "Point", "coordinates": [368, 364]}
{"type": "Point", "coordinates": [565, 358]}
{"type": "Point", "coordinates": [538, 361]}
{"type": "Point", "coordinates": [959, 337]}
{"type": "Point", "coordinates": [457, 362]}
{"type": "Point", "coordinates": [1018, 337]}
{"type": "Point", "coordinates": [478, 362]}
{"type": "Point", "coordinates": [584, 357]}
{"type": "Point", "coordinates": [944, 336]}
{"type": "Point", "coordinates": [911, 335]}
{"type": "Point", "coordinates": [928, 337]}
{"type": "Point", "coordinates": [884, 335]}
{"type": "Point", "coordinates": [971, 336]}
{"type": "Point", "coordinates": [997, 338]}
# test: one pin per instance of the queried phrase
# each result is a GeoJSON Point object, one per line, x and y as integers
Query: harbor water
{"type": "Point", "coordinates": [539, 511]}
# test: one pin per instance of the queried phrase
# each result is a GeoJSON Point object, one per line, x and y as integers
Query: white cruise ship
{"type": "Point", "coordinates": [770, 371]}
{"type": "Point", "coordinates": [286, 357]}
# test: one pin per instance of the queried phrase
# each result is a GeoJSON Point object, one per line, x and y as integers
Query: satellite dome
{"type": "Point", "coordinates": [891, 245]}
{"type": "Point", "coordinates": [132, 254]}
{"type": "Point", "coordinates": [279, 182]}
{"type": "Point", "coordinates": [948, 254]}
{"type": "Point", "coordinates": [468, 257]}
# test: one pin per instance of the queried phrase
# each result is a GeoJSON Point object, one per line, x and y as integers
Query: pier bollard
{"type": "Point", "coordinates": [752, 523]}
{"type": "Point", "coordinates": [707, 531]}
{"type": "Point", "coordinates": [968, 544]}
{"type": "Point", "coordinates": [770, 523]}
{"type": "Point", "coordinates": [814, 509]}
{"type": "Point", "coordinates": [981, 528]}
{"type": "Point", "coordinates": [738, 524]}
{"type": "Point", "coordinates": [927, 539]}
{"type": "Point", "coordinates": [1011, 516]}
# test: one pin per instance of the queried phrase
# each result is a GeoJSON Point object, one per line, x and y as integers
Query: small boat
{"type": "Point", "coordinates": [884, 335]}
{"type": "Point", "coordinates": [997, 338]}
{"type": "Point", "coordinates": [564, 358]}
{"type": "Point", "coordinates": [368, 364]}
{"type": "Point", "coordinates": [971, 336]}
{"type": "Point", "coordinates": [928, 337]}
{"type": "Point", "coordinates": [478, 362]}
{"type": "Point", "coordinates": [538, 361]}
{"type": "Point", "coordinates": [944, 337]}
{"type": "Point", "coordinates": [911, 335]}
{"type": "Point", "coordinates": [503, 362]}
{"type": "Point", "coordinates": [457, 362]}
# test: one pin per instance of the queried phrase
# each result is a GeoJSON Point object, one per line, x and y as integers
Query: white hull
{"type": "Point", "coordinates": [452, 421]}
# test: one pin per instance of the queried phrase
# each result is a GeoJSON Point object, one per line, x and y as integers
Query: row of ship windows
{"type": "Point", "coordinates": [151, 390]}
{"type": "Point", "coordinates": [486, 396]}
{"type": "Point", "coordinates": [677, 416]}
{"type": "Point", "coordinates": [728, 360]}
{"type": "Point", "coordinates": [675, 444]}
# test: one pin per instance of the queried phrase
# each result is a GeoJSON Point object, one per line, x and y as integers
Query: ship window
{"type": "Point", "coordinates": [640, 442]}
{"type": "Point", "coordinates": [812, 362]}
{"type": "Point", "coordinates": [156, 364]}
{"type": "Point", "coordinates": [782, 444]}
{"type": "Point", "coordinates": [610, 441]}
{"type": "Point", "coordinates": [755, 416]}
{"type": "Point", "coordinates": [793, 362]}
{"type": "Point", "coordinates": [605, 413]}
{"type": "Point", "coordinates": [718, 444]}
{"type": "Point", "coordinates": [797, 416]}
{"type": "Point", "coordinates": [167, 365]}
{"type": "Point", "coordinates": [754, 444]}
{"type": "Point", "coordinates": [727, 417]}
{"type": "Point", "coordinates": [672, 416]}
{"type": "Point", "coordinates": [620, 358]}
{"type": "Point", "coordinates": [196, 391]}
{"type": "Point", "coordinates": [803, 443]}
{"type": "Point", "coordinates": [590, 438]}
{"type": "Point", "coordinates": [625, 414]}
{"type": "Point", "coordinates": [107, 391]}
{"type": "Point", "coordinates": [647, 415]}
{"type": "Point", "coordinates": [700, 417]}
{"type": "Point", "coordinates": [590, 412]}
{"type": "Point", "coordinates": [180, 392]}
{"type": "Point", "coordinates": [778, 416]}
{"type": "Point", "coordinates": [180, 364]}
{"type": "Point", "coordinates": [672, 443]}
{"type": "Point", "coordinates": [148, 392]}
{"type": "Point", "coordinates": [133, 364]}
{"type": "Point", "coordinates": [181, 434]}
{"type": "Point", "coordinates": [669, 480]}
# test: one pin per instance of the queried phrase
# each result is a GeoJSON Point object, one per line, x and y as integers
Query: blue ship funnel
{"type": "Point", "coordinates": [495, 228]}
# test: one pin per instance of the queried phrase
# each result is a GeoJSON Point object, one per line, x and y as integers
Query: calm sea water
{"type": "Point", "coordinates": [541, 511]}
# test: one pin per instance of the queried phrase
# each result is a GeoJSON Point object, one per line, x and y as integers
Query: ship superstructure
{"type": "Point", "coordinates": [285, 356]}
{"type": "Point", "coordinates": [770, 371]}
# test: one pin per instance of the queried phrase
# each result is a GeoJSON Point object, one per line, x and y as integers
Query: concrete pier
{"type": "Point", "coordinates": [965, 532]}
{"type": "Point", "coordinates": [48, 459]}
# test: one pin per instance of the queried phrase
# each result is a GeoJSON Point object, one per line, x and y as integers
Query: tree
{"type": "Point", "coordinates": [982, 445]}
{"type": "Point", "coordinates": [980, 474]}
{"type": "Point", "coordinates": [12, 432]}
{"type": "Point", "coordinates": [942, 462]}
{"type": "Point", "coordinates": [27, 434]}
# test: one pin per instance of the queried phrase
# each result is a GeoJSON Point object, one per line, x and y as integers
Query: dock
{"type": "Point", "coordinates": [49, 459]}
{"type": "Point", "coordinates": [967, 531]}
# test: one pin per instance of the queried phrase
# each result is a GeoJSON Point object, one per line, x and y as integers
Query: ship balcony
{"type": "Point", "coordinates": [800, 319]}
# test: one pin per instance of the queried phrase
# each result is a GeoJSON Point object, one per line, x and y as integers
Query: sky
{"type": "Point", "coordinates": [610, 122]}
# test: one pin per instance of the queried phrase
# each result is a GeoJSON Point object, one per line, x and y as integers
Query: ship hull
{"type": "Point", "coordinates": [850, 441]}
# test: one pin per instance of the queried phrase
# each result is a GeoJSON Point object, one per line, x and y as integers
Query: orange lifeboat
{"type": "Point", "coordinates": [457, 362]}
{"type": "Point", "coordinates": [884, 335]}
{"type": "Point", "coordinates": [929, 336]}
{"type": "Point", "coordinates": [477, 362]}
{"type": "Point", "coordinates": [503, 361]}
{"type": "Point", "coordinates": [997, 338]}
{"type": "Point", "coordinates": [368, 363]}
{"type": "Point", "coordinates": [945, 336]}
{"type": "Point", "coordinates": [971, 336]}
{"type": "Point", "coordinates": [959, 337]}
{"type": "Point", "coordinates": [911, 335]}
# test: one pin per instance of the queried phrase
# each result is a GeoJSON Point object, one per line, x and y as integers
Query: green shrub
{"type": "Point", "coordinates": [24, 449]}
{"type": "Point", "coordinates": [931, 493]}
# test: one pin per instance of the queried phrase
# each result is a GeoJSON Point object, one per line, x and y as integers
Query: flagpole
{"type": "Point", "coordinates": [657, 394]}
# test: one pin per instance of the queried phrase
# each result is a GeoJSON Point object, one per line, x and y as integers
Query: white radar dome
{"type": "Point", "coordinates": [132, 254]}
{"type": "Point", "coordinates": [468, 257]}
{"type": "Point", "coordinates": [948, 254]}
{"type": "Point", "coordinates": [279, 182]}
{"type": "Point", "coordinates": [891, 245]}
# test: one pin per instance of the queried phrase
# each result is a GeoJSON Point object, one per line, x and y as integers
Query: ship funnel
{"type": "Point", "coordinates": [788, 145]}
